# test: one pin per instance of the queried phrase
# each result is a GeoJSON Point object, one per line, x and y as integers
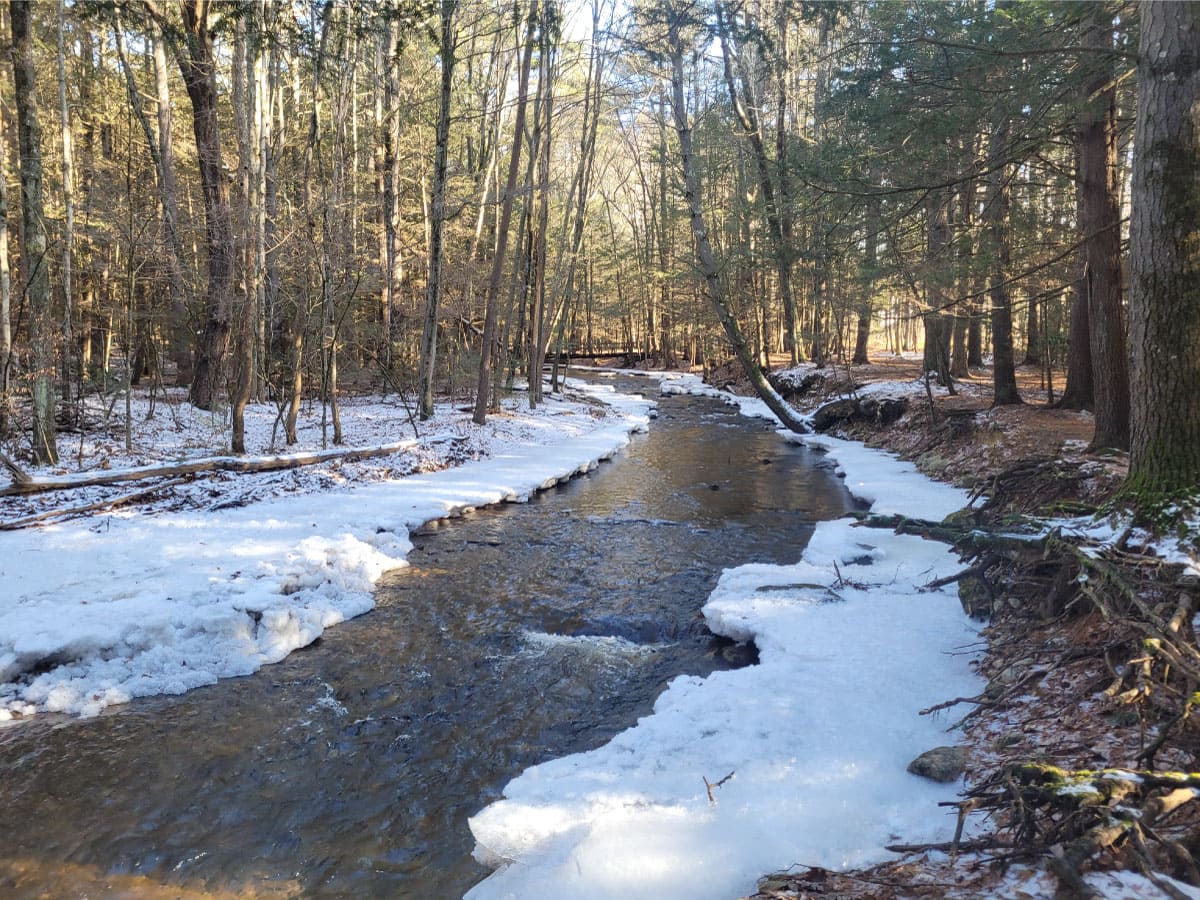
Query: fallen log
{"type": "Point", "coordinates": [20, 476]}
{"type": "Point", "coordinates": [14, 524]}
{"type": "Point", "coordinates": [215, 464]}
{"type": "Point", "coordinates": [962, 537]}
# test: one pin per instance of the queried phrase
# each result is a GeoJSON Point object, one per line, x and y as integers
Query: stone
{"type": "Point", "coordinates": [975, 597]}
{"type": "Point", "coordinates": [944, 764]}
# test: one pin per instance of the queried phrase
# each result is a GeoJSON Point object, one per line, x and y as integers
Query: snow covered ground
{"type": "Point", "coordinates": [800, 759]}
{"type": "Point", "coordinates": [809, 748]}
{"type": "Point", "coordinates": [99, 610]}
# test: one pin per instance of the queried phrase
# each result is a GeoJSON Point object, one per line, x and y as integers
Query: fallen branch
{"type": "Point", "coordinates": [14, 524]}
{"type": "Point", "coordinates": [20, 476]}
{"type": "Point", "coordinates": [975, 571]}
{"type": "Point", "coordinates": [215, 464]}
{"type": "Point", "coordinates": [714, 784]}
{"type": "Point", "coordinates": [950, 846]}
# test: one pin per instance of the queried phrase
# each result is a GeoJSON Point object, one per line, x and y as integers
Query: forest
{"type": "Point", "coordinates": [869, 513]}
{"type": "Point", "coordinates": [265, 201]}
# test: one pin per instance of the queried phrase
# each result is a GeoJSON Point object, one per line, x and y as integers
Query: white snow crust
{"type": "Point", "coordinates": [98, 611]}
{"type": "Point", "coordinates": [815, 739]}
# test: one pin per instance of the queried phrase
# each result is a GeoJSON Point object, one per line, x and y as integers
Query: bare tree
{"type": "Point", "coordinates": [197, 65]}
{"type": "Point", "coordinates": [709, 267]}
{"type": "Point", "coordinates": [447, 49]}
{"type": "Point", "coordinates": [487, 354]}
{"type": "Point", "coordinates": [34, 244]}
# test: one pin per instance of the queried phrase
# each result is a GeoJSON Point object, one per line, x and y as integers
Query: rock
{"type": "Point", "coordinates": [975, 597]}
{"type": "Point", "coordinates": [775, 884]}
{"type": "Point", "coordinates": [943, 764]}
{"type": "Point", "coordinates": [878, 411]}
{"type": "Point", "coordinates": [832, 414]}
{"type": "Point", "coordinates": [791, 388]}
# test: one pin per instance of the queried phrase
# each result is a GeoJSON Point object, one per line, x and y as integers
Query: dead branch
{"type": "Point", "coordinates": [710, 785]}
{"type": "Point", "coordinates": [20, 476]}
{"type": "Point", "coordinates": [14, 524]}
{"type": "Point", "coordinates": [215, 464]}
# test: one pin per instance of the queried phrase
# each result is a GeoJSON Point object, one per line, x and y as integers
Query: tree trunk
{"type": "Point", "coordinates": [6, 344]}
{"type": "Point", "coordinates": [938, 263]}
{"type": "Point", "coordinates": [709, 267]}
{"type": "Point", "coordinates": [1100, 224]}
{"type": "Point", "coordinates": [486, 358]}
{"type": "Point", "coordinates": [433, 287]}
{"type": "Point", "coordinates": [250, 96]}
{"type": "Point", "coordinates": [868, 276]}
{"type": "Point", "coordinates": [1004, 378]}
{"type": "Point", "coordinates": [1079, 393]}
{"type": "Point", "coordinates": [1164, 301]}
{"type": "Point", "coordinates": [181, 337]}
{"type": "Point", "coordinates": [68, 189]}
{"type": "Point", "coordinates": [1033, 335]}
{"type": "Point", "coordinates": [34, 261]}
{"type": "Point", "coordinates": [198, 67]}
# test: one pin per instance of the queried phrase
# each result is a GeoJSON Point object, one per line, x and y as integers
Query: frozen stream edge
{"type": "Point", "coordinates": [816, 737]}
{"type": "Point", "coordinates": [96, 612]}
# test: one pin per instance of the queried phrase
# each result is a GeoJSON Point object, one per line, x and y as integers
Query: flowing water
{"type": "Point", "coordinates": [516, 635]}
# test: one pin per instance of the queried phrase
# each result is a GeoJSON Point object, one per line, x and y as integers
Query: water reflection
{"type": "Point", "coordinates": [350, 768]}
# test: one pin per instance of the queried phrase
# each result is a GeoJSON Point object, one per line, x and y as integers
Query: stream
{"type": "Point", "coordinates": [517, 634]}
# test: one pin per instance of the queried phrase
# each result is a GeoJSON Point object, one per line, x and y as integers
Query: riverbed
{"type": "Point", "coordinates": [515, 635]}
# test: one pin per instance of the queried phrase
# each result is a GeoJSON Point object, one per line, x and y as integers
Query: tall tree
{"type": "Point", "coordinates": [706, 257]}
{"type": "Point", "coordinates": [447, 51]}
{"type": "Point", "coordinates": [491, 314]}
{"type": "Point", "coordinates": [1164, 284]}
{"type": "Point", "coordinates": [34, 243]}
{"type": "Point", "coordinates": [68, 189]}
{"type": "Point", "coordinates": [1100, 222]}
{"type": "Point", "coordinates": [1004, 380]}
{"type": "Point", "coordinates": [197, 64]}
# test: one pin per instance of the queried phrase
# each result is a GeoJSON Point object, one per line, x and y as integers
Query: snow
{"type": "Point", "coordinates": [815, 739]}
{"type": "Point", "coordinates": [801, 758]}
{"type": "Point", "coordinates": [98, 611]}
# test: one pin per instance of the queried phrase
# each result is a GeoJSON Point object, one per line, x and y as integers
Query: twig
{"type": "Point", "coordinates": [714, 784]}
{"type": "Point", "coordinates": [950, 846]}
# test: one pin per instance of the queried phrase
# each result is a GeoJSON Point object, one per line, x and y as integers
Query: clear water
{"type": "Point", "coordinates": [350, 769]}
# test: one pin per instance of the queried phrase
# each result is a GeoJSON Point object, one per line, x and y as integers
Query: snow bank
{"type": "Point", "coordinates": [99, 611]}
{"type": "Point", "coordinates": [815, 738]}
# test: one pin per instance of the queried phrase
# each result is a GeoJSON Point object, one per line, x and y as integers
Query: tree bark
{"type": "Point", "coordinates": [1079, 392]}
{"type": "Point", "coordinates": [1004, 378]}
{"type": "Point", "coordinates": [1164, 282]}
{"type": "Point", "coordinates": [34, 244]}
{"type": "Point", "coordinates": [198, 68]}
{"type": "Point", "coordinates": [447, 48]}
{"type": "Point", "coordinates": [1100, 223]}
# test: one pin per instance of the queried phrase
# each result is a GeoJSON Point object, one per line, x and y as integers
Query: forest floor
{"type": "Point", "coordinates": [1065, 685]}
{"type": "Point", "coordinates": [1059, 676]}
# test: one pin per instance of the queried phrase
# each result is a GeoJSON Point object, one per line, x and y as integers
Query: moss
{"type": "Point", "coordinates": [1160, 507]}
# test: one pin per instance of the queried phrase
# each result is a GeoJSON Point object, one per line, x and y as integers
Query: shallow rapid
{"type": "Point", "coordinates": [516, 635]}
